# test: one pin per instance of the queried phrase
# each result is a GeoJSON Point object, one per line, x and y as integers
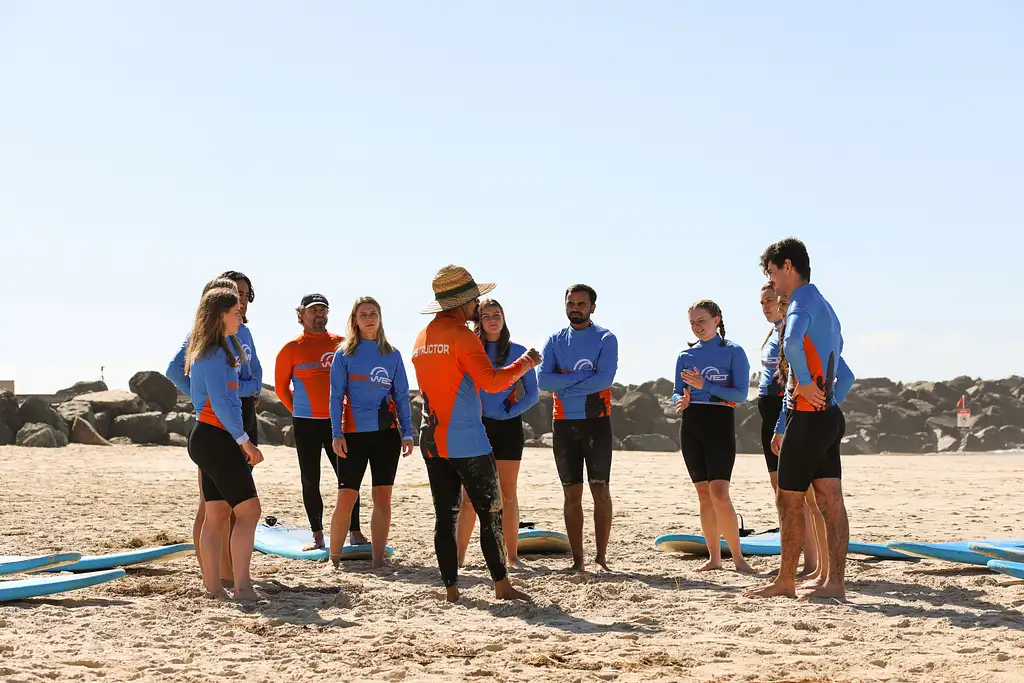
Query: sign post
{"type": "Point", "coordinates": [963, 421]}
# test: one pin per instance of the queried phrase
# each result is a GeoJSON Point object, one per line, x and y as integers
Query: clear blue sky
{"type": "Point", "coordinates": [649, 149]}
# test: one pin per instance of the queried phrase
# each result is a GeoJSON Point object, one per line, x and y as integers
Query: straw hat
{"type": "Point", "coordinates": [454, 287]}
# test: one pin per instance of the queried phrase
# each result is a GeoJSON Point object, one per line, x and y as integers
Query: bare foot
{"type": "Point", "coordinates": [384, 562]}
{"type": "Point", "coordinates": [743, 568]}
{"type": "Point", "coordinates": [710, 565]}
{"type": "Point", "coordinates": [357, 538]}
{"type": "Point", "coordinates": [503, 590]}
{"type": "Point", "coordinates": [808, 572]}
{"type": "Point", "coordinates": [771, 590]}
{"type": "Point", "coordinates": [247, 594]}
{"type": "Point", "coordinates": [577, 567]}
{"type": "Point", "coordinates": [833, 591]}
{"type": "Point", "coordinates": [812, 582]}
{"type": "Point", "coordinates": [227, 582]}
{"type": "Point", "coordinates": [602, 563]}
{"type": "Point", "coordinates": [218, 594]}
{"type": "Point", "coordinates": [318, 542]}
{"type": "Point", "coordinates": [335, 561]}
{"type": "Point", "coordinates": [451, 594]}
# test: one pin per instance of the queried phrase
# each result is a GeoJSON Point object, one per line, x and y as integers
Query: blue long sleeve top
{"type": "Point", "coordinates": [503, 404]}
{"type": "Point", "coordinates": [214, 392]}
{"type": "Point", "coordinates": [769, 384]}
{"type": "Point", "coordinates": [250, 376]}
{"type": "Point", "coordinates": [369, 391]}
{"type": "Point", "coordinates": [579, 366]}
{"type": "Point", "coordinates": [726, 372]}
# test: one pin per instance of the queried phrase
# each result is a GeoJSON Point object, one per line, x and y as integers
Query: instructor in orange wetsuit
{"type": "Point", "coordinates": [452, 367]}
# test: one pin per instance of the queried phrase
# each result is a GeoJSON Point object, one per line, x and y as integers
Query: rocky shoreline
{"type": "Point", "coordinates": [882, 416]}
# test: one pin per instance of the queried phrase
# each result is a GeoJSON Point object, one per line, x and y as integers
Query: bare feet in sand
{"type": "Point", "coordinates": [743, 567]}
{"type": "Point", "coordinates": [710, 566]}
{"type": "Point", "coordinates": [318, 542]}
{"type": "Point", "coordinates": [357, 538]}
{"type": "Point", "coordinates": [602, 562]}
{"type": "Point", "coordinates": [834, 591]}
{"type": "Point", "coordinates": [808, 573]}
{"type": "Point", "coordinates": [247, 594]}
{"type": "Point", "coordinates": [577, 568]}
{"type": "Point", "coordinates": [812, 582]}
{"type": "Point", "coordinates": [385, 563]}
{"type": "Point", "coordinates": [771, 590]}
{"type": "Point", "coordinates": [503, 590]}
{"type": "Point", "coordinates": [218, 594]}
{"type": "Point", "coordinates": [451, 594]}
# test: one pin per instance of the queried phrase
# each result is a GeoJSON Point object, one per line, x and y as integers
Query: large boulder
{"type": "Point", "coordinates": [40, 435]}
{"type": "Point", "coordinates": [987, 439]}
{"type": "Point", "coordinates": [895, 420]}
{"type": "Point", "coordinates": [154, 388]}
{"type": "Point", "coordinates": [269, 431]}
{"type": "Point", "coordinates": [857, 443]}
{"type": "Point", "coordinates": [943, 425]}
{"type": "Point", "coordinates": [937, 394]}
{"type": "Point", "coordinates": [947, 444]}
{"type": "Point", "coordinates": [618, 391]}
{"type": "Point", "coordinates": [83, 432]}
{"type": "Point", "coordinates": [76, 409]}
{"type": "Point", "coordinates": [669, 428]}
{"type": "Point", "coordinates": [115, 402]}
{"type": "Point", "coordinates": [177, 440]}
{"type": "Point", "coordinates": [922, 442]}
{"type": "Point", "coordinates": [962, 383]}
{"type": "Point", "coordinates": [288, 436]}
{"type": "Point", "coordinates": [622, 426]}
{"type": "Point", "coordinates": [37, 410]}
{"type": "Point", "coordinates": [271, 403]}
{"type": "Point", "coordinates": [79, 388]}
{"type": "Point", "coordinates": [1012, 436]}
{"type": "Point", "coordinates": [877, 383]}
{"type": "Point", "coordinates": [653, 443]}
{"type": "Point", "coordinates": [9, 411]}
{"type": "Point", "coordinates": [643, 409]}
{"type": "Point", "coordinates": [179, 423]}
{"type": "Point", "coordinates": [141, 428]}
{"type": "Point", "coordinates": [102, 423]}
{"type": "Point", "coordinates": [546, 440]}
{"type": "Point", "coordinates": [540, 415]}
{"type": "Point", "coordinates": [6, 435]}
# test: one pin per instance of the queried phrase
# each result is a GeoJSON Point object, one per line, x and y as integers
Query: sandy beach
{"type": "Point", "coordinates": [654, 618]}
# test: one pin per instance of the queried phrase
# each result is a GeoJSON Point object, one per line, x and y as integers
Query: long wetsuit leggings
{"type": "Point", "coordinates": [313, 436]}
{"type": "Point", "coordinates": [480, 477]}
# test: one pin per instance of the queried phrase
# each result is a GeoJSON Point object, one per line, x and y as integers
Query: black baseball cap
{"type": "Point", "coordinates": [314, 300]}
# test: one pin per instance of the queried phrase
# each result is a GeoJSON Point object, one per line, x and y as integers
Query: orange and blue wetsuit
{"type": "Point", "coordinates": [452, 367]}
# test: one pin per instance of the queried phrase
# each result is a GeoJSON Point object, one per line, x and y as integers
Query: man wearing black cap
{"type": "Point", "coordinates": [302, 380]}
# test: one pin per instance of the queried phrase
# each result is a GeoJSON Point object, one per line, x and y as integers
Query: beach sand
{"type": "Point", "coordinates": [654, 618]}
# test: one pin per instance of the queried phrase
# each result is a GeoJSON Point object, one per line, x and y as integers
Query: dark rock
{"type": "Point", "coordinates": [270, 431]}
{"type": "Point", "coordinates": [115, 402]}
{"type": "Point", "coordinates": [987, 439]}
{"type": "Point", "coordinates": [540, 416]}
{"type": "Point", "coordinates": [894, 420]}
{"type": "Point", "coordinates": [618, 391]}
{"type": "Point", "coordinates": [857, 444]}
{"type": "Point", "coordinates": [1012, 436]}
{"type": "Point", "coordinates": [9, 411]}
{"type": "Point", "coordinates": [72, 409]}
{"type": "Point", "coordinates": [934, 393]}
{"type": "Point", "coordinates": [102, 422]}
{"type": "Point", "coordinates": [155, 388]}
{"type": "Point", "coordinates": [288, 437]}
{"type": "Point", "coordinates": [961, 384]}
{"type": "Point", "coordinates": [617, 444]}
{"type": "Point", "coordinates": [748, 443]}
{"type": "Point", "coordinates": [79, 388]}
{"type": "Point", "coordinates": [121, 441]}
{"type": "Point", "coordinates": [37, 410]}
{"type": "Point", "coordinates": [652, 443]}
{"type": "Point", "coordinates": [40, 435]}
{"type": "Point", "coordinates": [177, 440]}
{"type": "Point", "coordinates": [947, 444]}
{"type": "Point", "coordinates": [527, 432]}
{"type": "Point", "coordinates": [669, 428]}
{"type": "Point", "coordinates": [184, 406]}
{"type": "Point", "coordinates": [271, 403]}
{"type": "Point", "coordinates": [179, 423]}
{"type": "Point", "coordinates": [643, 409]}
{"type": "Point", "coordinates": [921, 442]}
{"type": "Point", "coordinates": [877, 383]}
{"type": "Point", "coordinates": [83, 432]}
{"type": "Point", "coordinates": [622, 426]}
{"type": "Point", "coordinates": [6, 435]}
{"type": "Point", "coordinates": [141, 428]}
{"type": "Point", "coordinates": [856, 420]}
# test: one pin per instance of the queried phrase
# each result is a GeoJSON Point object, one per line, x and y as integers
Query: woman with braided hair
{"type": "Point", "coordinates": [711, 377]}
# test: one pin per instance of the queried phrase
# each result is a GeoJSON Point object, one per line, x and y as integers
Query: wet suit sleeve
{"type": "Point", "coordinates": [473, 360]}
{"type": "Point", "coordinates": [740, 378]}
{"type": "Point", "coordinates": [530, 396]}
{"type": "Point", "coordinates": [176, 371]}
{"type": "Point", "coordinates": [223, 392]}
{"type": "Point", "coordinates": [550, 379]}
{"type": "Point", "coordinates": [680, 385]}
{"type": "Point", "coordinates": [400, 395]}
{"type": "Point", "coordinates": [283, 377]}
{"type": "Point", "coordinates": [607, 366]}
{"type": "Point", "coordinates": [251, 387]}
{"type": "Point", "coordinates": [797, 324]}
{"type": "Point", "coordinates": [780, 426]}
{"type": "Point", "coordinates": [339, 385]}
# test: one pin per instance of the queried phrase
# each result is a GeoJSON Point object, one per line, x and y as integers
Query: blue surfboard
{"type": "Point", "coordinates": [48, 585]}
{"type": "Point", "coordinates": [1008, 553]}
{"type": "Point", "coordinates": [956, 551]}
{"type": "Point", "coordinates": [694, 544]}
{"type": "Point", "coordinates": [1014, 569]}
{"type": "Point", "coordinates": [288, 541]}
{"type": "Point", "coordinates": [16, 564]}
{"type": "Point", "coordinates": [879, 550]}
{"type": "Point", "coordinates": [126, 558]}
{"type": "Point", "coordinates": [542, 541]}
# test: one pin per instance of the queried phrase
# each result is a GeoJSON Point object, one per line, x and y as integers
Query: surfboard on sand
{"type": "Point", "coordinates": [127, 558]}
{"type": "Point", "coordinates": [1014, 569]}
{"type": "Point", "coordinates": [999, 552]}
{"type": "Point", "coordinates": [49, 585]}
{"type": "Point", "coordinates": [534, 541]}
{"type": "Point", "coordinates": [16, 564]}
{"type": "Point", "coordinates": [289, 541]}
{"type": "Point", "coordinates": [763, 544]}
{"type": "Point", "coordinates": [954, 551]}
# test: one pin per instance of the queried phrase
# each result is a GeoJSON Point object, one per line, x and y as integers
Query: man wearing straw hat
{"type": "Point", "coordinates": [452, 367]}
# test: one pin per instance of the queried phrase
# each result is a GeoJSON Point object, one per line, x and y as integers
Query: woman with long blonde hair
{"type": "Point", "coordinates": [371, 421]}
{"type": "Point", "coordinates": [219, 444]}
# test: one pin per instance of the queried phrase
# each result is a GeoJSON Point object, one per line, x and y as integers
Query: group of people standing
{"type": "Point", "coordinates": [349, 397]}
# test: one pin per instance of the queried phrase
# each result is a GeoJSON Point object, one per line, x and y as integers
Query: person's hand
{"type": "Point", "coordinates": [812, 394]}
{"type": "Point", "coordinates": [340, 446]}
{"type": "Point", "coordinates": [693, 378]}
{"type": "Point", "coordinates": [684, 401]}
{"type": "Point", "coordinates": [256, 399]}
{"type": "Point", "coordinates": [406, 448]}
{"type": "Point", "coordinates": [776, 444]}
{"type": "Point", "coordinates": [252, 454]}
{"type": "Point", "coordinates": [534, 356]}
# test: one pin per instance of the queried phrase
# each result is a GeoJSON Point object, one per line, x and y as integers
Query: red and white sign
{"type": "Point", "coordinates": [963, 418]}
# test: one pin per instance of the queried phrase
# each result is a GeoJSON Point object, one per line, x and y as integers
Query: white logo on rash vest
{"type": "Point", "coordinates": [380, 376]}
{"type": "Point", "coordinates": [583, 364]}
{"type": "Point", "coordinates": [714, 374]}
{"type": "Point", "coordinates": [327, 360]}
{"type": "Point", "coordinates": [430, 350]}
{"type": "Point", "coordinates": [248, 352]}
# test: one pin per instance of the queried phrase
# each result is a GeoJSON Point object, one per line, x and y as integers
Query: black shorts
{"type": "Point", "coordinates": [249, 422]}
{"type": "Point", "coordinates": [506, 437]}
{"type": "Point", "coordinates": [381, 450]}
{"type": "Point", "coordinates": [770, 408]}
{"type": "Point", "coordinates": [583, 441]}
{"type": "Point", "coordinates": [810, 449]}
{"type": "Point", "coordinates": [225, 471]}
{"type": "Point", "coordinates": [708, 437]}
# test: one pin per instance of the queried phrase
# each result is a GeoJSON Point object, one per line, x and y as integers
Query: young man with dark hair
{"type": "Point", "coordinates": [818, 380]}
{"type": "Point", "coordinates": [579, 367]}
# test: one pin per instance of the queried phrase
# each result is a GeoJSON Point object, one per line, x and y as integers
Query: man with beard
{"type": "Point", "coordinates": [302, 380]}
{"type": "Point", "coordinates": [579, 368]}
{"type": "Point", "coordinates": [452, 368]}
